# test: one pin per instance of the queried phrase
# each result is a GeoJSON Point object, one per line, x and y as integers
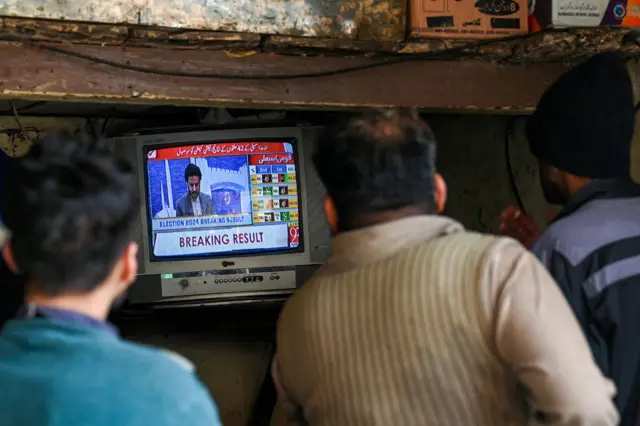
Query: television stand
{"type": "Point", "coordinates": [265, 402]}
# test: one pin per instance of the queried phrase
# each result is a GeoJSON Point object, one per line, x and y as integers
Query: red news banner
{"type": "Point", "coordinates": [221, 149]}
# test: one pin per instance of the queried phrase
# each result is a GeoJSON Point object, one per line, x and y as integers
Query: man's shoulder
{"type": "Point", "coordinates": [595, 225]}
{"type": "Point", "coordinates": [145, 367]}
{"type": "Point", "coordinates": [464, 247]}
{"type": "Point", "coordinates": [470, 252]}
{"type": "Point", "coordinates": [182, 202]}
{"type": "Point", "coordinates": [107, 358]}
{"type": "Point", "coordinates": [465, 237]}
{"type": "Point", "coordinates": [552, 237]}
{"type": "Point", "coordinates": [572, 239]}
{"type": "Point", "coordinates": [170, 362]}
{"type": "Point", "coordinates": [136, 378]}
{"type": "Point", "coordinates": [475, 243]}
{"type": "Point", "coordinates": [205, 196]}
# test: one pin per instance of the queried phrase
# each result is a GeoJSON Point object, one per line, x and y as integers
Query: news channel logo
{"type": "Point", "coordinates": [619, 11]}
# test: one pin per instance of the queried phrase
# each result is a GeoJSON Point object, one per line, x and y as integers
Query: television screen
{"type": "Point", "coordinates": [217, 199]}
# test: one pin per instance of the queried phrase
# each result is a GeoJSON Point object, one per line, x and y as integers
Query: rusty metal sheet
{"type": "Point", "coordinates": [379, 20]}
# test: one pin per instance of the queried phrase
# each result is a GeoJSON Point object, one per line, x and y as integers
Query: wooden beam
{"type": "Point", "coordinates": [66, 32]}
{"type": "Point", "coordinates": [28, 72]}
{"type": "Point", "coordinates": [560, 45]}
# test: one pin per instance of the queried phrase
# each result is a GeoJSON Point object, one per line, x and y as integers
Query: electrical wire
{"type": "Point", "coordinates": [447, 53]}
{"type": "Point", "coordinates": [512, 176]}
{"type": "Point", "coordinates": [17, 117]}
{"type": "Point", "coordinates": [226, 76]}
{"type": "Point", "coordinates": [103, 129]}
{"type": "Point", "coordinates": [92, 127]}
{"type": "Point", "coordinates": [24, 108]}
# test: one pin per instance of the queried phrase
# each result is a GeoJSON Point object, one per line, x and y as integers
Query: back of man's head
{"type": "Point", "coordinates": [584, 122]}
{"type": "Point", "coordinates": [378, 163]}
{"type": "Point", "coordinates": [70, 207]}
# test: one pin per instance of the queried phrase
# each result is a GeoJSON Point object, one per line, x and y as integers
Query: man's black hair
{"type": "Point", "coordinates": [192, 170]}
{"type": "Point", "coordinates": [379, 161]}
{"type": "Point", "coordinates": [70, 205]}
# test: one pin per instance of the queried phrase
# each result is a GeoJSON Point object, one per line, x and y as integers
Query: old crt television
{"type": "Point", "coordinates": [226, 216]}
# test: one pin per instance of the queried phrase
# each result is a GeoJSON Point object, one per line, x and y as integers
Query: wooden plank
{"type": "Point", "coordinates": [562, 45]}
{"type": "Point", "coordinates": [32, 73]}
{"type": "Point", "coordinates": [119, 35]}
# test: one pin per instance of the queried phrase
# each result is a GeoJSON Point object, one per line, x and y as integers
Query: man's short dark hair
{"type": "Point", "coordinates": [192, 170]}
{"type": "Point", "coordinates": [380, 161]}
{"type": "Point", "coordinates": [71, 207]}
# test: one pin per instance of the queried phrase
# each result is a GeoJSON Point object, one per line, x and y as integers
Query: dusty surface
{"type": "Point", "coordinates": [469, 86]}
{"type": "Point", "coordinates": [382, 20]}
{"type": "Point", "coordinates": [569, 46]}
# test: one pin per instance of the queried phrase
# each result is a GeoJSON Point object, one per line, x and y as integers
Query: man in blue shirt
{"type": "Point", "coordinates": [71, 208]}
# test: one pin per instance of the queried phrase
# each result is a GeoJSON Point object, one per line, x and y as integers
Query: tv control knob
{"type": "Point", "coordinates": [184, 284]}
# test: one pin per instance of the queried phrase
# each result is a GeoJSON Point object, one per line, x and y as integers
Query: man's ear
{"type": "Point", "coordinates": [440, 187]}
{"type": "Point", "coordinates": [129, 260]}
{"type": "Point", "coordinates": [7, 254]}
{"type": "Point", "coordinates": [331, 214]}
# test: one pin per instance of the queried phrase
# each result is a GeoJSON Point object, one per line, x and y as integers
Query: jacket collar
{"type": "Point", "coordinates": [357, 248]}
{"type": "Point", "coordinates": [598, 190]}
{"type": "Point", "coordinates": [35, 311]}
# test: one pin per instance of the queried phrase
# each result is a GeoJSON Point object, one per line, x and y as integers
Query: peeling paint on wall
{"type": "Point", "coordinates": [380, 20]}
{"type": "Point", "coordinates": [116, 11]}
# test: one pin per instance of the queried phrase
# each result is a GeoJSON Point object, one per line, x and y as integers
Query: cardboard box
{"type": "Point", "coordinates": [584, 13]}
{"type": "Point", "coordinates": [469, 19]}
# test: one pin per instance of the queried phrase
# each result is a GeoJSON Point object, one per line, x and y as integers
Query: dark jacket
{"type": "Point", "coordinates": [592, 249]}
{"type": "Point", "coordinates": [11, 294]}
{"type": "Point", "coordinates": [185, 208]}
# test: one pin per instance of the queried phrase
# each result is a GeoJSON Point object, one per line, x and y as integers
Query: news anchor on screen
{"type": "Point", "coordinates": [194, 202]}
